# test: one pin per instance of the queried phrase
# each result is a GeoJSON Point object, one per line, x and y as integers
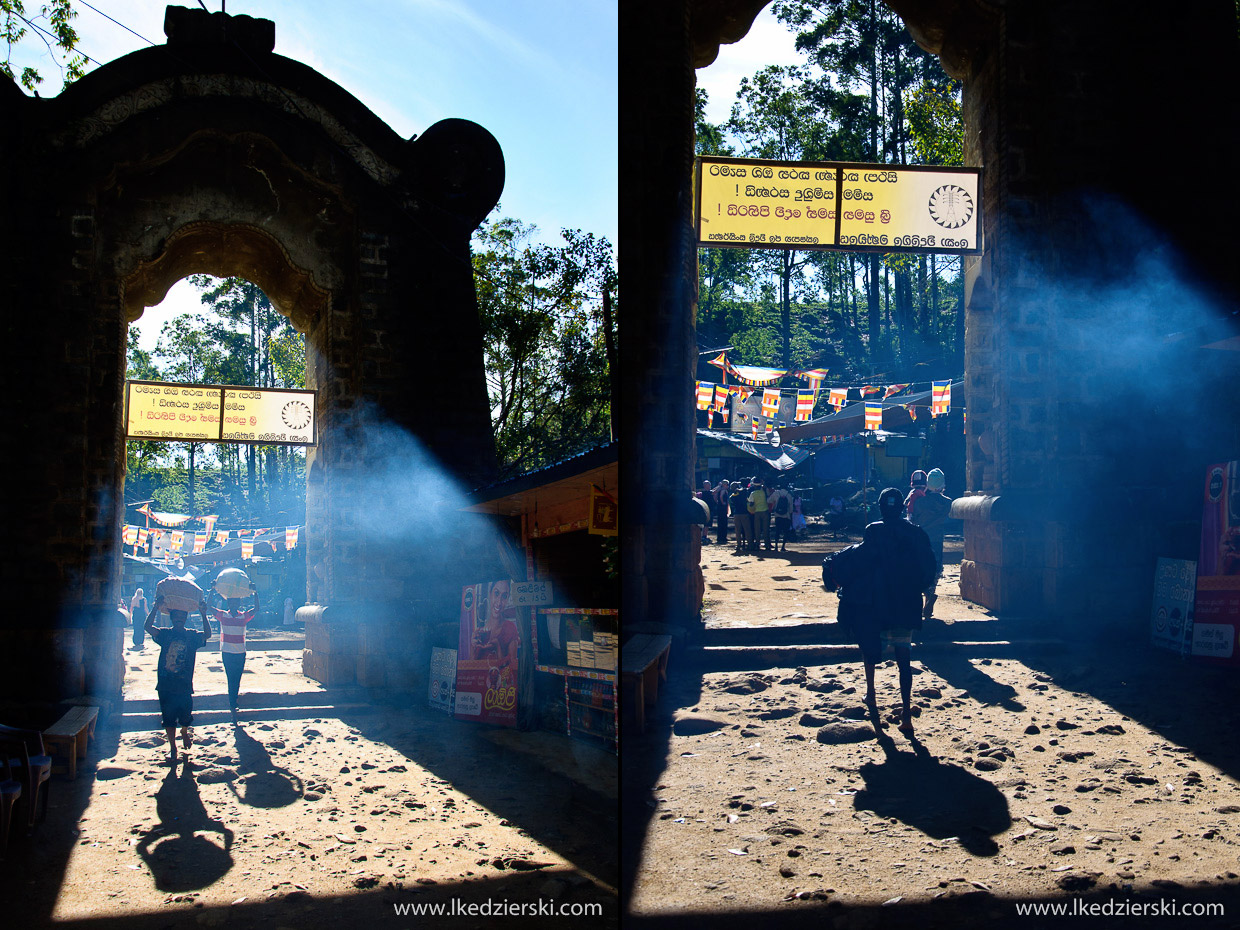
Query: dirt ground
{"type": "Point", "coordinates": [319, 808]}
{"type": "Point", "coordinates": [1042, 768]}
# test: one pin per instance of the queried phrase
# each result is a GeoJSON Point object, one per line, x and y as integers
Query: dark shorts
{"type": "Point", "coordinates": [176, 707]}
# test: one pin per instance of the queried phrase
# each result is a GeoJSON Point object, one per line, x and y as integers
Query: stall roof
{"type": "Point", "coordinates": [851, 419]}
{"type": "Point", "coordinates": [562, 482]}
{"type": "Point", "coordinates": [781, 458]}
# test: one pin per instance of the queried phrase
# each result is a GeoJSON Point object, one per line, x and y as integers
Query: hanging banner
{"type": "Point", "coordinates": [219, 413]}
{"type": "Point", "coordinates": [941, 402]}
{"type": "Point", "coordinates": [873, 416]}
{"type": "Point", "coordinates": [837, 398]}
{"type": "Point", "coordinates": [488, 652]}
{"type": "Point", "coordinates": [1216, 614]}
{"type": "Point", "coordinates": [758, 203]}
{"type": "Point", "coordinates": [290, 537]}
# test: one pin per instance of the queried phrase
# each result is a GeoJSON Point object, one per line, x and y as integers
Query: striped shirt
{"type": "Point", "coordinates": [232, 629]}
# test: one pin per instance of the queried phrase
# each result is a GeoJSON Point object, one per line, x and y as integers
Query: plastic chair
{"type": "Point", "coordinates": [33, 767]}
{"type": "Point", "coordinates": [10, 791]}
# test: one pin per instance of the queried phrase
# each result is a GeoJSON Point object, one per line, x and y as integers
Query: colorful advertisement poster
{"type": "Point", "coordinates": [1174, 585]}
{"type": "Point", "coordinates": [1216, 615]}
{"type": "Point", "coordinates": [488, 651]}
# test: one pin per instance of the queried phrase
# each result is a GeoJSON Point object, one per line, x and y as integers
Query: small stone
{"type": "Point", "coordinates": [987, 764]}
{"type": "Point", "coordinates": [1033, 729]}
{"type": "Point", "coordinates": [1076, 882]}
{"type": "Point", "coordinates": [1035, 821]}
{"type": "Point", "coordinates": [312, 796]}
{"type": "Point", "coordinates": [1065, 725]}
{"type": "Point", "coordinates": [1065, 849]}
{"type": "Point", "coordinates": [1061, 809]}
{"type": "Point", "coordinates": [835, 733]}
{"type": "Point", "coordinates": [786, 872]}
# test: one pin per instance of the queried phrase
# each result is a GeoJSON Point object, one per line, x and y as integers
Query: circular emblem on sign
{"type": "Point", "coordinates": [467, 599]}
{"type": "Point", "coordinates": [1216, 484]}
{"type": "Point", "coordinates": [296, 414]}
{"type": "Point", "coordinates": [951, 206]}
{"type": "Point", "coordinates": [1160, 619]}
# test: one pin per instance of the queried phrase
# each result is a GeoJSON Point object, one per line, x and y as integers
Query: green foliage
{"type": "Point", "coordinates": [53, 27]}
{"type": "Point", "coordinates": [545, 345]}
{"type": "Point", "coordinates": [936, 125]}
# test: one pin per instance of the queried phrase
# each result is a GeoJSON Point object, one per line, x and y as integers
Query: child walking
{"type": "Point", "coordinates": [175, 682]}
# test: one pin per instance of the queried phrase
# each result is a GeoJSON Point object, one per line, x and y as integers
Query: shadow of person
{"type": "Point", "coordinates": [266, 784]}
{"type": "Point", "coordinates": [179, 857]}
{"type": "Point", "coordinates": [939, 799]}
{"type": "Point", "coordinates": [959, 672]}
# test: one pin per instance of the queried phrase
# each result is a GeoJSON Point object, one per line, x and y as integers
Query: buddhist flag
{"type": "Point", "coordinates": [710, 418]}
{"type": "Point", "coordinates": [964, 421]}
{"type": "Point", "coordinates": [720, 362]}
{"type": "Point", "coordinates": [705, 392]}
{"type": "Point", "coordinates": [805, 404]}
{"type": "Point", "coordinates": [912, 411]}
{"type": "Point", "coordinates": [721, 397]}
{"type": "Point", "coordinates": [200, 541]}
{"type": "Point", "coordinates": [744, 393]}
{"type": "Point", "coordinates": [130, 536]}
{"type": "Point", "coordinates": [814, 376]}
{"type": "Point", "coordinates": [873, 415]}
{"type": "Point", "coordinates": [247, 550]}
{"type": "Point", "coordinates": [290, 538]}
{"type": "Point", "coordinates": [868, 390]}
{"type": "Point", "coordinates": [770, 428]}
{"type": "Point", "coordinates": [838, 398]}
{"type": "Point", "coordinates": [143, 533]}
{"type": "Point", "coordinates": [770, 402]}
{"type": "Point", "coordinates": [942, 394]}
{"type": "Point", "coordinates": [178, 538]}
{"type": "Point", "coordinates": [724, 413]}
{"type": "Point", "coordinates": [893, 389]}
{"type": "Point", "coordinates": [221, 537]}
{"type": "Point", "coordinates": [753, 429]}
{"type": "Point", "coordinates": [210, 522]}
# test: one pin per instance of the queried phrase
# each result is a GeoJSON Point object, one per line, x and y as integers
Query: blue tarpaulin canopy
{"type": "Point", "coordinates": [781, 458]}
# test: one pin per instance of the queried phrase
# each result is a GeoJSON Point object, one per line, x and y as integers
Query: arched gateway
{"type": "Point", "coordinates": [212, 154]}
{"type": "Point", "coordinates": [1097, 393]}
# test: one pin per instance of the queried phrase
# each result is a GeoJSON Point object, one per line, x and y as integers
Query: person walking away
{"type": "Point", "coordinates": [721, 495]}
{"type": "Point", "coordinates": [175, 676]}
{"type": "Point", "coordinates": [137, 615]}
{"type": "Point", "coordinates": [758, 506]}
{"type": "Point", "coordinates": [930, 512]}
{"type": "Point", "coordinates": [740, 516]}
{"type": "Point", "coordinates": [232, 623]}
{"type": "Point", "coordinates": [881, 580]}
{"type": "Point", "coordinates": [780, 505]}
{"type": "Point", "coordinates": [917, 490]}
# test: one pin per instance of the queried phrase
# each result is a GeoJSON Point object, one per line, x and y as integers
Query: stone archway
{"type": "Point", "coordinates": [1072, 496]}
{"type": "Point", "coordinates": [213, 154]}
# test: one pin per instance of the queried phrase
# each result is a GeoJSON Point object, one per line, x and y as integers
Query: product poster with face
{"type": "Point", "coordinates": [487, 654]}
{"type": "Point", "coordinates": [1216, 614]}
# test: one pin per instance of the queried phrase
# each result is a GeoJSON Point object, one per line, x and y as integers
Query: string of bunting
{"type": "Point", "coordinates": [713, 397]}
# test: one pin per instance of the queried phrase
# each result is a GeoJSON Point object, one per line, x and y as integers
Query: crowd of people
{"type": "Point", "coordinates": [763, 519]}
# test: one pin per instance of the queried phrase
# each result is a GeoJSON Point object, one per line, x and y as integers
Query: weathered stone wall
{"type": "Point", "coordinates": [229, 160]}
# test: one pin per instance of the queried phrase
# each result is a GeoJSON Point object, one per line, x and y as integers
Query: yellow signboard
{"type": "Point", "coordinates": [218, 413]}
{"type": "Point", "coordinates": [753, 203]}
{"type": "Point", "coordinates": [185, 412]}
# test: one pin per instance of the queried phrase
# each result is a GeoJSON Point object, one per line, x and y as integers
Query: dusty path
{"type": "Point", "coordinates": [319, 808]}
{"type": "Point", "coordinates": [1036, 773]}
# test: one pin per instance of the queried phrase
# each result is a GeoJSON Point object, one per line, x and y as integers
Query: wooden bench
{"type": "Point", "coordinates": [643, 664]}
{"type": "Point", "coordinates": [70, 734]}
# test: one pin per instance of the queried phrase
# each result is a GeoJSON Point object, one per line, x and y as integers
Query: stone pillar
{"type": "Point", "coordinates": [658, 347]}
{"type": "Point", "coordinates": [1093, 259]}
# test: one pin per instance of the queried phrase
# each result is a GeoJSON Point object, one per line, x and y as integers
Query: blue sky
{"type": "Point", "coordinates": [540, 75]}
